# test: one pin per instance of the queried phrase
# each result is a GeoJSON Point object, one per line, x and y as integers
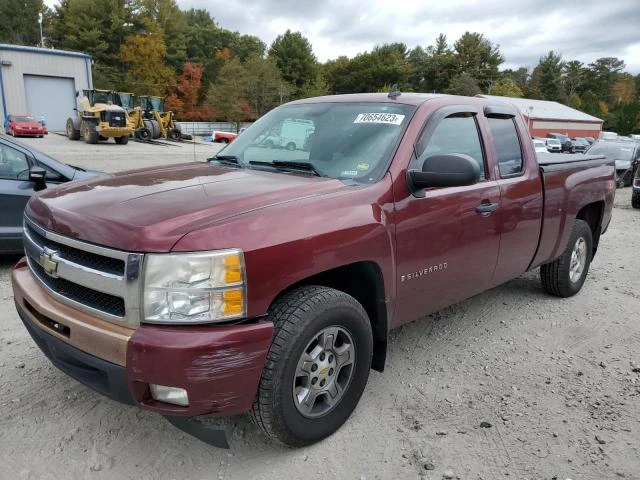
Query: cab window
{"type": "Point", "coordinates": [456, 133]}
{"type": "Point", "coordinates": [507, 143]}
{"type": "Point", "coordinates": [13, 164]}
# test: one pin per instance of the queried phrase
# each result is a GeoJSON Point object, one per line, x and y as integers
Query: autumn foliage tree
{"type": "Point", "coordinates": [145, 56]}
{"type": "Point", "coordinates": [186, 100]}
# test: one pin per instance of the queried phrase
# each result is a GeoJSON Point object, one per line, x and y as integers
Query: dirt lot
{"type": "Point", "coordinates": [558, 381]}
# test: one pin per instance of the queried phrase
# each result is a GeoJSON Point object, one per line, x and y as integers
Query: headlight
{"type": "Point", "coordinates": [194, 287]}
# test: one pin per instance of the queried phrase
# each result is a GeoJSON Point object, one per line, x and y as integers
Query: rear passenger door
{"type": "Point", "coordinates": [447, 240]}
{"type": "Point", "coordinates": [520, 185]}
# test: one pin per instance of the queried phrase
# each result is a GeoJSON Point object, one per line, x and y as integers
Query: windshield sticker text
{"type": "Point", "coordinates": [388, 118]}
{"type": "Point", "coordinates": [363, 166]}
{"type": "Point", "coordinates": [349, 173]}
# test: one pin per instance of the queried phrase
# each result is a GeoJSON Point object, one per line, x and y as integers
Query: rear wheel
{"type": "Point", "coordinates": [122, 140]}
{"type": "Point", "coordinates": [565, 276]}
{"type": "Point", "coordinates": [317, 366]}
{"type": "Point", "coordinates": [72, 133]}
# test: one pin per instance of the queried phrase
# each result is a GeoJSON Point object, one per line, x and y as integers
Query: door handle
{"type": "Point", "coordinates": [487, 207]}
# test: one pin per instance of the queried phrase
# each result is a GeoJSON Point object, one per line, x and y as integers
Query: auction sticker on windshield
{"type": "Point", "coordinates": [389, 118]}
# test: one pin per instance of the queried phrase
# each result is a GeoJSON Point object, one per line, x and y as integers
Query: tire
{"type": "Point", "coordinates": [89, 133]}
{"type": "Point", "coordinates": [174, 134]}
{"type": "Point", "coordinates": [627, 178]}
{"type": "Point", "coordinates": [156, 130]}
{"type": "Point", "coordinates": [71, 131]}
{"type": "Point", "coordinates": [143, 134]}
{"type": "Point", "coordinates": [122, 140]}
{"type": "Point", "coordinates": [635, 199]}
{"type": "Point", "coordinates": [303, 318]}
{"type": "Point", "coordinates": [558, 278]}
{"type": "Point", "coordinates": [148, 126]}
{"type": "Point", "coordinates": [291, 146]}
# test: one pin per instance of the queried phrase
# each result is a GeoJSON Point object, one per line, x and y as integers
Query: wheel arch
{"type": "Point", "coordinates": [592, 213]}
{"type": "Point", "coordinates": [364, 281]}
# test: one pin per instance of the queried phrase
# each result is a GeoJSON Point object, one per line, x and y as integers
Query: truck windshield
{"type": "Point", "coordinates": [351, 141]}
{"type": "Point", "coordinates": [616, 152]}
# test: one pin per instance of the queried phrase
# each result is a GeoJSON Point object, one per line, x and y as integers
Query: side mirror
{"type": "Point", "coordinates": [452, 170]}
{"type": "Point", "coordinates": [37, 175]}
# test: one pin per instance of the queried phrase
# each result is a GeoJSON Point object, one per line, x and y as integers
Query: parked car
{"type": "Point", "coordinates": [540, 146]}
{"type": "Point", "coordinates": [580, 145]}
{"type": "Point", "coordinates": [253, 283]}
{"type": "Point", "coordinates": [553, 145]}
{"type": "Point", "coordinates": [591, 140]}
{"type": "Point", "coordinates": [225, 137]}
{"type": "Point", "coordinates": [626, 154]}
{"type": "Point", "coordinates": [565, 141]}
{"type": "Point", "coordinates": [24, 170]}
{"type": "Point", "coordinates": [24, 126]}
{"type": "Point", "coordinates": [635, 194]}
{"type": "Point", "coordinates": [292, 134]}
{"type": "Point", "coordinates": [608, 136]}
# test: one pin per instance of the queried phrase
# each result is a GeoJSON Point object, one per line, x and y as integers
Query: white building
{"type": "Point", "coordinates": [42, 82]}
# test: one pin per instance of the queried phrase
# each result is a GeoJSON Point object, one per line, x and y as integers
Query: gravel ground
{"type": "Point", "coordinates": [509, 384]}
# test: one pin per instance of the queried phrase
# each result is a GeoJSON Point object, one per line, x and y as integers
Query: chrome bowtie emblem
{"type": "Point", "coordinates": [47, 262]}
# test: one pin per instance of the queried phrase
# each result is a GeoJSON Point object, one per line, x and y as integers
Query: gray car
{"type": "Point", "coordinates": [24, 170]}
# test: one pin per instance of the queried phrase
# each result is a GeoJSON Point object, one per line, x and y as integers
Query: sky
{"type": "Point", "coordinates": [525, 30]}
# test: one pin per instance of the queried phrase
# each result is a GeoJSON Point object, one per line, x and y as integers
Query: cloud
{"type": "Point", "coordinates": [583, 30]}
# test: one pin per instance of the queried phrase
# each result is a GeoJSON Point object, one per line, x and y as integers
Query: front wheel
{"type": "Point", "coordinates": [122, 140]}
{"type": "Point", "coordinates": [317, 366]}
{"type": "Point", "coordinates": [635, 199]}
{"type": "Point", "coordinates": [565, 276]}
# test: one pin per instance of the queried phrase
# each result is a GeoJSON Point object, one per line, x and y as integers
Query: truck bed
{"type": "Point", "coordinates": [567, 180]}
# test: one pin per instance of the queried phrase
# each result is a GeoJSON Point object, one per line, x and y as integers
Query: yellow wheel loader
{"type": "Point", "coordinates": [135, 118]}
{"type": "Point", "coordinates": [98, 119]}
{"type": "Point", "coordinates": [161, 123]}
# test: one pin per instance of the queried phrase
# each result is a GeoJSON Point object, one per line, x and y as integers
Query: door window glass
{"type": "Point", "coordinates": [13, 164]}
{"type": "Point", "coordinates": [454, 134]}
{"type": "Point", "coordinates": [507, 143]}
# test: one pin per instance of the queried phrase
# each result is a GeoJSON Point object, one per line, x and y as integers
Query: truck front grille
{"type": "Point", "coordinates": [115, 119]}
{"type": "Point", "coordinates": [92, 278]}
{"type": "Point", "coordinates": [86, 296]}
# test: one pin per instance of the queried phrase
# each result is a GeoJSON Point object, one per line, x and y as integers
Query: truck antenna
{"type": "Point", "coordinates": [394, 93]}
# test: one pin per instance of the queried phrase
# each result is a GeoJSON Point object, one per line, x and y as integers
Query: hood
{"type": "Point", "coordinates": [150, 210]}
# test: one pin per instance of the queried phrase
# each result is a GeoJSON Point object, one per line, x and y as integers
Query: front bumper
{"type": "Point", "coordinates": [106, 131]}
{"type": "Point", "coordinates": [28, 133]}
{"type": "Point", "coordinates": [219, 366]}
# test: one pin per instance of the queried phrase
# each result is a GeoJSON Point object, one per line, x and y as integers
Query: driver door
{"type": "Point", "coordinates": [15, 191]}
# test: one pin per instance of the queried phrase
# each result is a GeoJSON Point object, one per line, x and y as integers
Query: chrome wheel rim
{"type": "Point", "coordinates": [578, 260]}
{"type": "Point", "coordinates": [324, 371]}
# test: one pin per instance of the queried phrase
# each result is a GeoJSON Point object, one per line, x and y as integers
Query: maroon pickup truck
{"type": "Point", "coordinates": [266, 280]}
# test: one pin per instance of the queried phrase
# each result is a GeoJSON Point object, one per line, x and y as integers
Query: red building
{"type": "Point", "coordinates": [552, 117]}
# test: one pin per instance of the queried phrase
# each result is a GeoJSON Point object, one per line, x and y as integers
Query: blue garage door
{"type": "Point", "coordinates": [53, 98]}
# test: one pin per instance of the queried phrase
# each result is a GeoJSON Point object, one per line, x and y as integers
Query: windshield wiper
{"type": "Point", "coordinates": [226, 160]}
{"type": "Point", "coordinates": [292, 165]}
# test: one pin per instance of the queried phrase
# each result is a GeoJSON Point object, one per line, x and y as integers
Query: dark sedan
{"type": "Point", "coordinates": [24, 170]}
{"type": "Point", "coordinates": [580, 145]}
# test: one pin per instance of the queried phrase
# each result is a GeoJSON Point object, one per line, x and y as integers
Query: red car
{"type": "Point", "coordinates": [24, 125]}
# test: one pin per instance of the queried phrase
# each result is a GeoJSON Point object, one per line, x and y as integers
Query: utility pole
{"type": "Point", "coordinates": [40, 22]}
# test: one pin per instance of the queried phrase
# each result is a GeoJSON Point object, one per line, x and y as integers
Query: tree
{"type": "Point", "coordinates": [227, 95]}
{"type": "Point", "coordinates": [265, 87]}
{"type": "Point", "coordinates": [573, 74]}
{"type": "Point", "coordinates": [294, 57]}
{"type": "Point", "coordinates": [19, 21]}
{"type": "Point", "coordinates": [601, 76]}
{"type": "Point", "coordinates": [173, 23]}
{"type": "Point", "coordinates": [547, 77]}
{"type": "Point", "coordinates": [477, 57]}
{"type": "Point", "coordinates": [185, 99]}
{"type": "Point", "coordinates": [97, 28]}
{"type": "Point", "coordinates": [505, 87]}
{"type": "Point", "coordinates": [145, 56]}
{"type": "Point", "coordinates": [464, 84]}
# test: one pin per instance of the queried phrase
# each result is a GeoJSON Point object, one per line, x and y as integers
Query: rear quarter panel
{"type": "Point", "coordinates": [567, 191]}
